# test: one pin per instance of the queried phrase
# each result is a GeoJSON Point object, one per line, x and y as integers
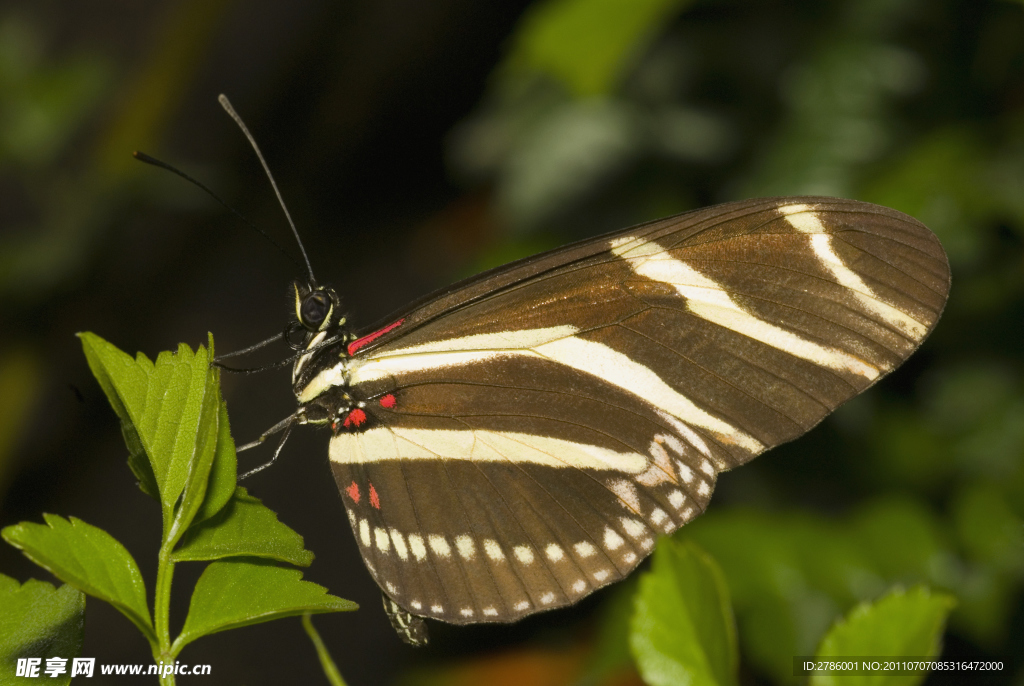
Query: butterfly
{"type": "Point", "coordinates": [516, 441]}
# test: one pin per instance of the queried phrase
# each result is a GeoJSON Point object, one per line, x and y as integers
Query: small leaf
{"type": "Point", "coordinates": [902, 623]}
{"type": "Point", "coordinates": [138, 461]}
{"type": "Point", "coordinates": [198, 460]}
{"type": "Point", "coordinates": [89, 559]}
{"type": "Point", "coordinates": [237, 593]}
{"type": "Point", "coordinates": [124, 381]}
{"type": "Point", "coordinates": [39, 621]}
{"type": "Point", "coordinates": [171, 411]}
{"type": "Point", "coordinates": [245, 527]}
{"type": "Point", "coordinates": [221, 485]}
{"type": "Point", "coordinates": [682, 630]}
{"type": "Point", "coordinates": [790, 576]}
{"type": "Point", "coordinates": [172, 408]}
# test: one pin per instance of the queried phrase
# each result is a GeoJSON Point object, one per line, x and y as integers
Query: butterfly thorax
{"type": "Point", "coordinates": [320, 374]}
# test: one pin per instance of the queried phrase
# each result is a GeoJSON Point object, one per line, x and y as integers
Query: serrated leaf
{"type": "Point", "coordinates": [138, 460]}
{"type": "Point", "coordinates": [39, 621]}
{"type": "Point", "coordinates": [174, 408]}
{"type": "Point", "coordinates": [245, 527]}
{"type": "Point", "coordinates": [199, 461]}
{"type": "Point", "coordinates": [89, 559]}
{"type": "Point", "coordinates": [682, 630]}
{"type": "Point", "coordinates": [124, 382]}
{"type": "Point", "coordinates": [236, 593]}
{"type": "Point", "coordinates": [223, 473]}
{"type": "Point", "coordinates": [902, 623]}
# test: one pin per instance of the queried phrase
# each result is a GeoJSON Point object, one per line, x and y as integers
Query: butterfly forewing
{"type": "Point", "coordinates": [522, 438]}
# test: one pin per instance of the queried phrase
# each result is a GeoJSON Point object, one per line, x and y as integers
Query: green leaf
{"type": "Point", "coordinates": [39, 621]}
{"type": "Point", "coordinates": [237, 593]}
{"type": "Point", "coordinates": [587, 44]}
{"type": "Point", "coordinates": [682, 630]}
{"type": "Point", "coordinates": [89, 559]}
{"type": "Point", "coordinates": [221, 486]}
{"type": "Point", "coordinates": [123, 381]}
{"type": "Point", "coordinates": [138, 461]}
{"type": "Point", "coordinates": [198, 460]}
{"type": "Point", "coordinates": [790, 575]}
{"type": "Point", "coordinates": [245, 527]}
{"type": "Point", "coordinates": [902, 623]}
{"type": "Point", "coordinates": [173, 409]}
{"type": "Point", "coordinates": [171, 423]}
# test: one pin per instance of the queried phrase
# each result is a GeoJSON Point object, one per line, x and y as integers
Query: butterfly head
{"type": "Point", "coordinates": [318, 308]}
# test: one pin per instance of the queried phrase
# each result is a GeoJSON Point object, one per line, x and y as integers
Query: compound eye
{"type": "Point", "coordinates": [314, 310]}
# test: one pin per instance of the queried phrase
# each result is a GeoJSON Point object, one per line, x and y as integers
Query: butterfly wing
{"type": "Point", "coordinates": [526, 435]}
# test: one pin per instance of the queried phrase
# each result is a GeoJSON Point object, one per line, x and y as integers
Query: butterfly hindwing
{"type": "Point", "coordinates": [521, 439]}
{"type": "Point", "coordinates": [495, 541]}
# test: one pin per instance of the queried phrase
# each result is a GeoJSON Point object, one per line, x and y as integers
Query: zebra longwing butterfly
{"type": "Point", "coordinates": [512, 443]}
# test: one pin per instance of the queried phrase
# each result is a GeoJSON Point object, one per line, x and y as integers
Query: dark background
{"type": "Point", "coordinates": [409, 159]}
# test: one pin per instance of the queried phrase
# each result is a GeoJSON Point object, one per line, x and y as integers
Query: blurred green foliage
{"type": "Point", "coordinates": [47, 103]}
{"type": "Point", "coordinates": [19, 383]}
{"type": "Point", "coordinates": [900, 624]}
{"type": "Point", "coordinates": [791, 574]}
{"type": "Point", "coordinates": [585, 44]}
{"type": "Point", "coordinates": [43, 103]}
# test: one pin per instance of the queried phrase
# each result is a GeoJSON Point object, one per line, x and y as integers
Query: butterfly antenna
{"type": "Point", "coordinates": [148, 159]}
{"type": "Point", "coordinates": [226, 104]}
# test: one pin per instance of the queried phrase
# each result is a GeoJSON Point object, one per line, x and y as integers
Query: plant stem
{"type": "Point", "coordinates": [326, 661]}
{"type": "Point", "coordinates": [162, 611]}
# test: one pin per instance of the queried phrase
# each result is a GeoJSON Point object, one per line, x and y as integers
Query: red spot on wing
{"type": "Point", "coordinates": [355, 418]}
{"type": "Point", "coordinates": [374, 500]}
{"type": "Point", "coordinates": [360, 342]}
{"type": "Point", "coordinates": [387, 401]}
{"type": "Point", "coordinates": [353, 492]}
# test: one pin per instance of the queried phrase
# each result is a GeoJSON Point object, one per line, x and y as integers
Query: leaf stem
{"type": "Point", "coordinates": [164, 652]}
{"type": "Point", "coordinates": [326, 661]}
